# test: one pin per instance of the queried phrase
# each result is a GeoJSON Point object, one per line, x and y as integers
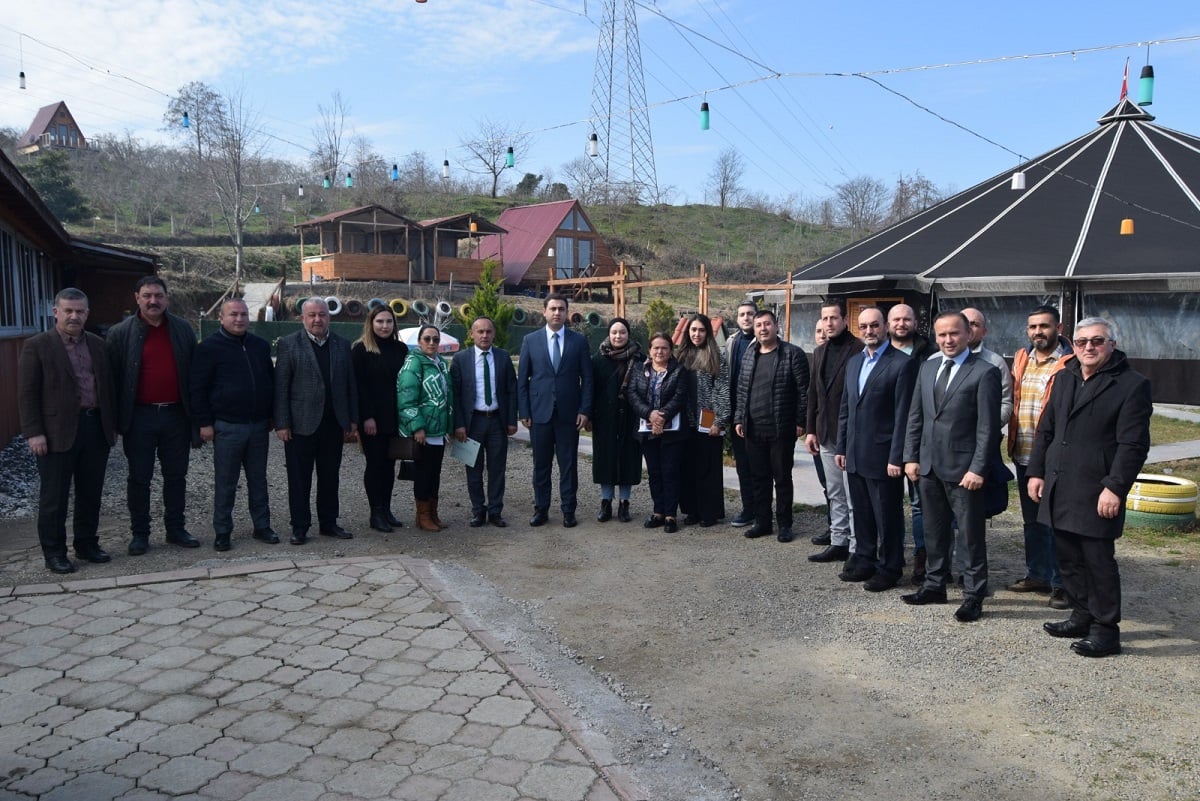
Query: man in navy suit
{"type": "Point", "coordinates": [485, 408]}
{"type": "Point", "coordinates": [953, 423]}
{"type": "Point", "coordinates": [554, 398]}
{"type": "Point", "coordinates": [870, 448]}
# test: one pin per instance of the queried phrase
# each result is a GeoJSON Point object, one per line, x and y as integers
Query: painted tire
{"type": "Point", "coordinates": [1160, 486]}
{"type": "Point", "coordinates": [595, 320]}
{"type": "Point", "coordinates": [576, 318]}
{"type": "Point", "coordinates": [1158, 522]}
{"type": "Point", "coordinates": [375, 303]}
{"type": "Point", "coordinates": [398, 307]}
{"type": "Point", "coordinates": [464, 311]}
{"type": "Point", "coordinates": [299, 307]}
{"type": "Point", "coordinates": [354, 308]}
{"type": "Point", "coordinates": [334, 304]}
{"type": "Point", "coordinates": [420, 308]}
{"type": "Point", "coordinates": [519, 316]}
{"type": "Point", "coordinates": [444, 308]}
{"type": "Point", "coordinates": [1182, 506]}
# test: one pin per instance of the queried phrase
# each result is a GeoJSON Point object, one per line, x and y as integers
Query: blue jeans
{"type": "Point", "coordinates": [238, 447]}
{"type": "Point", "coordinates": [1040, 562]}
{"type": "Point", "coordinates": [918, 520]}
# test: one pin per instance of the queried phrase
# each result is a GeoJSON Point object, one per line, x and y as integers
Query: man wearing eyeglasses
{"type": "Point", "coordinates": [1090, 445]}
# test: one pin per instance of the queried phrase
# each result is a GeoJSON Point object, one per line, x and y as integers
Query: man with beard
{"type": "Point", "coordinates": [825, 387]}
{"type": "Point", "coordinates": [735, 349]}
{"type": "Point", "coordinates": [1090, 444]}
{"type": "Point", "coordinates": [870, 448]}
{"type": "Point", "coordinates": [1034, 371]}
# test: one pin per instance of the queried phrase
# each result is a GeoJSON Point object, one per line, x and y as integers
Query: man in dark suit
{"type": "Point", "coordinates": [316, 399]}
{"type": "Point", "coordinates": [870, 448]}
{"type": "Point", "coordinates": [1090, 445]}
{"type": "Point", "coordinates": [826, 383]}
{"type": "Point", "coordinates": [554, 399]}
{"type": "Point", "coordinates": [67, 400]}
{"type": "Point", "coordinates": [485, 409]}
{"type": "Point", "coordinates": [953, 423]}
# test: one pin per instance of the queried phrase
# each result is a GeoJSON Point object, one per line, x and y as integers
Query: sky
{"type": "Point", "coordinates": [779, 77]}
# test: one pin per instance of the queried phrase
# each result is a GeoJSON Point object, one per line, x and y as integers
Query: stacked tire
{"type": "Point", "coordinates": [1159, 501]}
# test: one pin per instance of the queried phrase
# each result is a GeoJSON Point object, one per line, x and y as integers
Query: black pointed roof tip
{"type": "Point", "coordinates": [1126, 109]}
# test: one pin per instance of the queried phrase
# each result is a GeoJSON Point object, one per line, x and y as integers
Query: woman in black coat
{"type": "Point", "coordinates": [377, 357]}
{"type": "Point", "coordinates": [658, 394]}
{"type": "Point", "coordinates": [616, 448]}
{"type": "Point", "coordinates": [702, 494]}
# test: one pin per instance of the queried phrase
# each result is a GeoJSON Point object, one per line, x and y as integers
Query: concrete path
{"type": "Point", "coordinates": [356, 678]}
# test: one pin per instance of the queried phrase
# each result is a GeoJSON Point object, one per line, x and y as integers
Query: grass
{"type": "Point", "coordinates": [1168, 429]}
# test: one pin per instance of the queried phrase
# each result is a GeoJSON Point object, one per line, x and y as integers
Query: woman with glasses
{"type": "Point", "coordinates": [702, 492]}
{"type": "Point", "coordinates": [377, 357]}
{"type": "Point", "coordinates": [425, 413]}
{"type": "Point", "coordinates": [658, 395]}
{"type": "Point", "coordinates": [616, 451]}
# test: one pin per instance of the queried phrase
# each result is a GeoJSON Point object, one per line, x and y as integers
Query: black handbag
{"type": "Point", "coordinates": [403, 448]}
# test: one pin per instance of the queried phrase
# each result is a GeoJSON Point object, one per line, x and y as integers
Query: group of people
{"type": "Point", "coordinates": [889, 405]}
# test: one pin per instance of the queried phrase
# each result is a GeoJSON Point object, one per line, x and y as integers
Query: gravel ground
{"type": "Point", "coordinates": [727, 668]}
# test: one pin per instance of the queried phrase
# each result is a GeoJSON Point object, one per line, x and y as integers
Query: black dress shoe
{"type": "Point", "coordinates": [94, 554]}
{"type": "Point", "coordinates": [139, 545]}
{"type": "Point", "coordinates": [266, 535]}
{"type": "Point", "coordinates": [379, 522]}
{"type": "Point", "coordinates": [756, 531]}
{"type": "Point", "coordinates": [182, 539]}
{"type": "Point", "coordinates": [496, 520]}
{"type": "Point", "coordinates": [59, 564]}
{"type": "Point", "coordinates": [334, 530]}
{"type": "Point", "coordinates": [299, 536]}
{"type": "Point", "coordinates": [477, 520]}
{"type": "Point", "coordinates": [834, 553]}
{"type": "Point", "coordinates": [821, 539]}
{"type": "Point", "coordinates": [605, 513]}
{"type": "Point", "coordinates": [670, 526]}
{"type": "Point", "coordinates": [924, 596]}
{"type": "Point", "coordinates": [880, 582]}
{"type": "Point", "coordinates": [221, 543]}
{"type": "Point", "coordinates": [653, 521]}
{"type": "Point", "coordinates": [540, 518]}
{"type": "Point", "coordinates": [856, 573]}
{"type": "Point", "coordinates": [569, 520]}
{"type": "Point", "coordinates": [1067, 628]}
{"type": "Point", "coordinates": [785, 534]}
{"type": "Point", "coordinates": [1097, 646]}
{"type": "Point", "coordinates": [970, 610]}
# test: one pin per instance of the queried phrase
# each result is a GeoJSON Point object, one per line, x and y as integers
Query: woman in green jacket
{"type": "Point", "coordinates": [424, 403]}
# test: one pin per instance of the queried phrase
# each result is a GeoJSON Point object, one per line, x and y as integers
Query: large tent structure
{"type": "Point", "coordinates": [1058, 234]}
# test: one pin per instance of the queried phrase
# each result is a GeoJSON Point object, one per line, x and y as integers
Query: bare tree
{"type": "Point", "coordinates": [913, 193]}
{"type": "Point", "coordinates": [861, 202]}
{"type": "Point", "coordinates": [581, 179]}
{"type": "Point", "coordinates": [417, 173]}
{"type": "Point", "coordinates": [198, 103]}
{"type": "Point", "coordinates": [328, 134]}
{"type": "Point", "coordinates": [235, 151]}
{"type": "Point", "coordinates": [487, 149]}
{"type": "Point", "coordinates": [725, 180]}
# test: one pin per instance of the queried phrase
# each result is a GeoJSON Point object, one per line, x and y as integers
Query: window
{"type": "Point", "coordinates": [25, 293]}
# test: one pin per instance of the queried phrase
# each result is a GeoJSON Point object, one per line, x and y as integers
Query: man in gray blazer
{"type": "Point", "coordinates": [953, 424]}
{"type": "Point", "coordinates": [316, 398]}
{"type": "Point", "coordinates": [554, 399]}
{"type": "Point", "coordinates": [485, 409]}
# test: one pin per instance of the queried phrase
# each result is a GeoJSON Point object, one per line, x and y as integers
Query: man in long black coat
{"type": "Point", "coordinates": [1091, 442]}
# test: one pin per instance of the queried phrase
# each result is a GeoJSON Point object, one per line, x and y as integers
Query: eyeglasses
{"type": "Point", "coordinates": [431, 339]}
{"type": "Point", "coordinates": [1095, 342]}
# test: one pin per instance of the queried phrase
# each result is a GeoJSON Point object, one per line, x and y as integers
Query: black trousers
{"type": "Point", "coordinates": [322, 449]}
{"type": "Point", "coordinates": [664, 466]}
{"type": "Point", "coordinates": [161, 432]}
{"type": "Point", "coordinates": [492, 436]}
{"type": "Point", "coordinates": [379, 474]}
{"type": "Point", "coordinates": [1091, 579]}
{"type": "Point", "coordinates": [771, 465]}
{"type": "Point", "coordinates": [427, 482]}
{"type": "Point", "coordinates": [84, 464]}
{"type": "Point", "coordinates": [702, 491]}
{"type": "Point", "coordinates": [741, 462]}
{"type": "Point", "coordinates": [557, 439]}
{"type": "Point", "coordinates": [877, 505]}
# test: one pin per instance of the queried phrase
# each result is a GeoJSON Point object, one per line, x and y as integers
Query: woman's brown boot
{"type": "Point", "coordinates": [424, 519]}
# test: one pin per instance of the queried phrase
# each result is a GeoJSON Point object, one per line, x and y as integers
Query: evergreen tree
{"type": "Point", "coordinates": [488, 302]}
{"type": "Point", "coordinates": [50, 175]}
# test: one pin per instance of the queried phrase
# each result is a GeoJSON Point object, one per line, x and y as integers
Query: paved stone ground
{"type": "Point", "coordinates": [355, 678]}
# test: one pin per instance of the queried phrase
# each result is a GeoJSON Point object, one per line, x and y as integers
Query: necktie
{"type": "Point", "coordinates": [487, 379]}
{"type": "Point", "coordinates": [556, 353]}
{"type": "Point", "coordinates": [943, 381]}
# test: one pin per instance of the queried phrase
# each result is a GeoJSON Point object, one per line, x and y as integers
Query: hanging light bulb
{"type": "Point", "coordinates": [1127, 226]}
{"type": "Point", "coordinates": [1146, 86]}
{"type": "Point", "coordinates": [187, 123]}
{"type": "Point", "coordinates": [509, 158]}
{"type": "Point", "coordinates": [300, 190]}
{"type": "Point", "coordinates": [1018, 181]}
{"type": "Point", "coordinates": [445, 168]}
{"type": "Point", "coordinates": [593, 145]}
{"type": "Point", "coordinates": [22, 78]}
{"type": "Point", "coordinates": [325, 182]}
{"type": "Point", "coordinates": [21, 60]}
{"type": "Point", "coordinates": [704, 116]}
{"type": "Point", "coordinates": [349, 181]}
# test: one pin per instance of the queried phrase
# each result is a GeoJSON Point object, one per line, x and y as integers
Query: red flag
{"type": "Point", "coordinates": [1125, 82]}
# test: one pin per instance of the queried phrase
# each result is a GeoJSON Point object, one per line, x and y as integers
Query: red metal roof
{"type": "Point", "coordinates": [529, 228]}
{"type": "Point", "coordinates": [41, 121]}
